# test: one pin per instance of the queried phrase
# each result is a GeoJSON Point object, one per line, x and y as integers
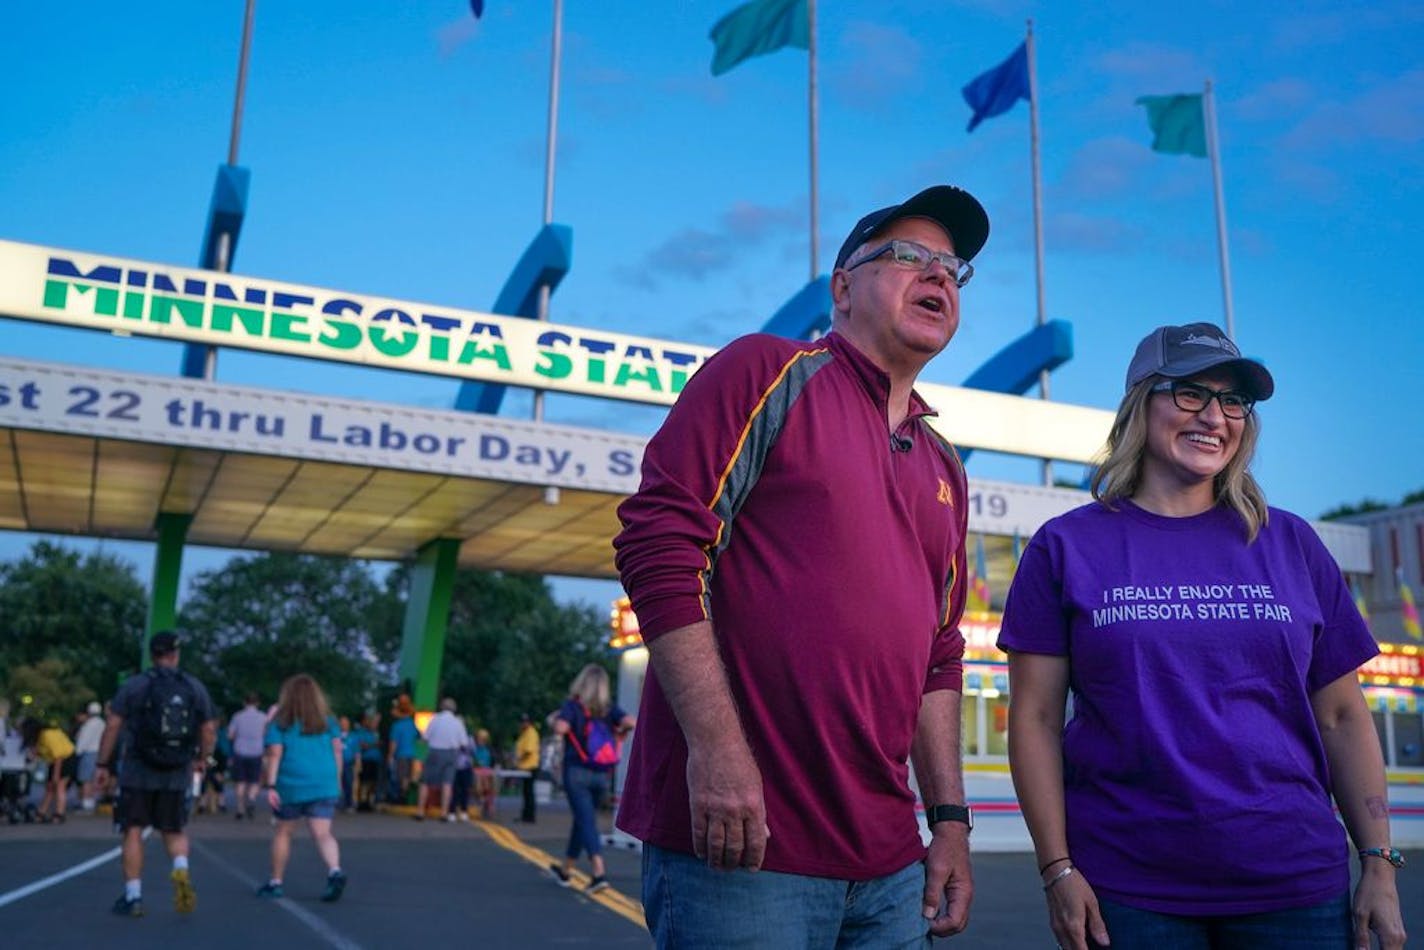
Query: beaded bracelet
{"type": "Point", "coordinates": [1051, 863]}
{"type": "Point", "coordinates": [1058, 877]}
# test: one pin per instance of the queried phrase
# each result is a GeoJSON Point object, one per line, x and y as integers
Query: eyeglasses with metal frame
{"type": "Point", "coordinates": [915, 256]}
{"type": "Point", "coordinates": [1194, 397]}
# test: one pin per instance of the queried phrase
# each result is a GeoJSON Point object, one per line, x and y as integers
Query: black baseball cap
{"type": "Point", "coordinates": [1179, 352]}
{"type": "Point", "coordinates": [163, 643]}
{"type": "Point", "coordinates": [954, 209]}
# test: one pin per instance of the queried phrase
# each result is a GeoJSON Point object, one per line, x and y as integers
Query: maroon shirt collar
{"type": "Point", "coordinates": [875, 380]}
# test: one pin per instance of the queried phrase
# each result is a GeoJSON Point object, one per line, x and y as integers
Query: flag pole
{"type": "Point", "coordinates": [1213, 150]}
{"type": "Point", "coordinates": [1037, 214]}
{"type": "Point", "coordinates": [241, 84]}
{"type": "Point", "coordinates": [815, 133]}
{"type": "Point", "coordinates": [549, 151]}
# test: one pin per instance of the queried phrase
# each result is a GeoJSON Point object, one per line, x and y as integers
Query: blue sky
{"type": "Point", "coordinates": [398, 149]}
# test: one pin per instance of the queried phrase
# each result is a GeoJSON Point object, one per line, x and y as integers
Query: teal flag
{"type": "Point", "coordinates": [1178, 124]}
{"type": "Point", "coordinates": [758, 27]}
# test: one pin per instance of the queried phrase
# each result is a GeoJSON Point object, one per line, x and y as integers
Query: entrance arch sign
{"type": "Point", "coordinates": [101, 292]}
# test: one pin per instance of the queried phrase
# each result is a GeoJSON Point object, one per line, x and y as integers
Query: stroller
{"type": "Point", "coordinates": [15, 804]}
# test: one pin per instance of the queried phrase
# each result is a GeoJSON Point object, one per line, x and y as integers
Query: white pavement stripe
{"type": "Point", "coordinates": [321, 928]}
{"type": "Point", "coordinates": [20, 893]}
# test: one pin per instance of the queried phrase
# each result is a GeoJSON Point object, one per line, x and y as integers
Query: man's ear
{"type": "Point", "coordinates": [840, 292]}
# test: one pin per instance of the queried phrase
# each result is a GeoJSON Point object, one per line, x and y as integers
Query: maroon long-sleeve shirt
{"type": "Point", "coordinates": [828, 553]}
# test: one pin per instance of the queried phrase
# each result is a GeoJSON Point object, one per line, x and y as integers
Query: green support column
{"type": "Point", "coordinates": [172, 530]}
{"type": "Point", "coordinates": [432, 581]}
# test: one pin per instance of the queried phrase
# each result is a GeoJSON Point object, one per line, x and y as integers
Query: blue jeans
{"type": "Point", "coordinates": [586, 789]}
{"type": "Point", "coordinates": [689, 905]}
{"type": "Point", "coordinates": [1325, 926]}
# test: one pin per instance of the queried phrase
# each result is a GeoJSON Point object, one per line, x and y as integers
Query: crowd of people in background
{"type": "Point", "coordinates": [48, 763]}
{"type": "Point", "coordinates": [294, 761]}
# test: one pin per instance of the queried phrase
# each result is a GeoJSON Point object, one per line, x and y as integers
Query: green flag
{"type": "Point", "coordinates": [1178, 124]}
{"type": "Point", "coordinates": [757, 27]}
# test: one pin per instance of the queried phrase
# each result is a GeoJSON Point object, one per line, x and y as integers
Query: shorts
{"type": "Point", "coordinates": [86, 763]}
{"type": "Point", "coordinates": [166, 809]}
{"type": "Point", "coordinates": [321, 808]}
{"type": "Point", "coordinates": [440, 767]}
{"type": "Point", "coordinates": [247, 769]}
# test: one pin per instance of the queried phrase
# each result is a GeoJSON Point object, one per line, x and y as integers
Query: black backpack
{"type": "Point", "coordinates": [166, 733]}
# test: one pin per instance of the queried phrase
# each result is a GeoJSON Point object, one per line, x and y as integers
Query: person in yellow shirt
{"type": "Point", "coordinates": [50, 745]}
{"type": "Point", "coordinates": [526, 756]}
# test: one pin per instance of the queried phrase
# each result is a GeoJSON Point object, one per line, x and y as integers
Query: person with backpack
{"type": "Point", "coordinates": [169, 728]}
{"type": "Point", "coordinates": [593, 729]}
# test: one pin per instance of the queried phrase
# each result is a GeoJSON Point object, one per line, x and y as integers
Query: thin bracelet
{"type": "Point", "coordinates": [1051, 863]}
{"type": "Point", "coordinates": [1058, 877]}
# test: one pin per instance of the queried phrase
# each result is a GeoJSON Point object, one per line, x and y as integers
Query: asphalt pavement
{"type": "Point", "coordinates": [412, 883]}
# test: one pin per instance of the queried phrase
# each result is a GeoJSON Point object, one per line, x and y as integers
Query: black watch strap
{"type": "Point", "coordinates": [934, 814]}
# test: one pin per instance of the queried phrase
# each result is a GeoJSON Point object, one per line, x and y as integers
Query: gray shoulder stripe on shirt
{"type": "Point", "coordinates": [762, 430]}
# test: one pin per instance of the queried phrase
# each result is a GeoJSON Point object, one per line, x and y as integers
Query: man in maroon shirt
{"type": "Point", "coordinates": [795, 556]}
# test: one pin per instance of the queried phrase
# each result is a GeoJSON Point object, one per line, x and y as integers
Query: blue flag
{"type": "Point", "coordinates": [995, 92]}
{"type": "Point", "coordinates": [477, 7]}
{"type": "Point", "coordinates": [757, 27]}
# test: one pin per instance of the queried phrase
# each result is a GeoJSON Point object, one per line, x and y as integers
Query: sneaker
{"type": "Point", "coordinates": [335, 884]}
{"type": "Point", "coordinates": [561, 877]}
{"type": "Point", "coordinates": [238, 815]}
{"type": "Point", "coordinates": [599, 883]}
{"type": "Point", "coordinates": [270, 890]}
{"type": "Point", "coordinates": [185, 898]}
{"type": "Point", "coordinates": [124, 907]}
{"type": "Point", "coordinates": [463, 816]}
{"type": "Point", "coordinates": [451, 817]}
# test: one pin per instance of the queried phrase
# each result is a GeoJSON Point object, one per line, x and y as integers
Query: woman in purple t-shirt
{"type": "Point", "coordinates": [1210, 646]}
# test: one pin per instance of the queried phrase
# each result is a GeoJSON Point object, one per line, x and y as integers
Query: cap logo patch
{"type": "Point", "coordinates": [1220, 343]}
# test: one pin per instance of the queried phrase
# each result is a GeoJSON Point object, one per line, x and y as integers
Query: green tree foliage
{"type": "Point", "coordinates": [48, 690]}
{"type": "Point", "coordinates": [1344, 511]}
{"type": "Point", "coordinates": [85, 612]}
{"type": "Point", "coordinates": [257, 620]}
{"type": "Point", "coordinates": [510, 648]}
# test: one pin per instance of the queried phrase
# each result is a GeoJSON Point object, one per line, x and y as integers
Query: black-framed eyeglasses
{"type": "Point", "coordinates": [1194, 397]}
{"type": "Point", "coordinates": [914, 256]}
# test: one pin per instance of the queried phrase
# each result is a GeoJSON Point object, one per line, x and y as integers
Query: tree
{"type": "Point", "coordinates": [48, 690]}
{"type": "Point", "coordinates": [1344, 511]}
{"type": "Point", "coordinates": [257, 620]}
{"type": "Point", "coordinates": [86, 612]}
{"type": "Point", "coordinates": [509, 647]}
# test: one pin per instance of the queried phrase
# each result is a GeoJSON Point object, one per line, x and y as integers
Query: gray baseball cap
{"type": "Point", "coordinates": [1179, 352]}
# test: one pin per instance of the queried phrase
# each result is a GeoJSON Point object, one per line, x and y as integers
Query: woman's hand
{"type": "Point", "coordinates": [1073, 910]}
{"type": "Point", "coordinates": [1376, 906]}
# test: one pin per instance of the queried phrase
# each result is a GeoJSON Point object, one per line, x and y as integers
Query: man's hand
{"type": "Point", "coordinates": [947, 875]}
{"type": "Point", "coordinates": [729, 827]}
{"type": "Point", "coordinates": [102, 778]}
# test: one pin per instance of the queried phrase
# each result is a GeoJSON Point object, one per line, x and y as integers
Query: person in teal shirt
{"type": "Point", "coordinates": [400, 751]}
{"type": "Point", "coordinates": [366, 743]}
{"type": "Point", "coordinates": [301, 772]}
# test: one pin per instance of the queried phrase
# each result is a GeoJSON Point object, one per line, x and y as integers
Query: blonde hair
{"type": "Point", "coordinates": [591, 688]}
{"type": "Point", "coordinates": [1119, 470]}
{"type": "Point", "coordinates": [301, 700]}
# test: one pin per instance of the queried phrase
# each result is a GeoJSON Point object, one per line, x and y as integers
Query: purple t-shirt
{"type": "Point", "coordinates": [1195, 781]}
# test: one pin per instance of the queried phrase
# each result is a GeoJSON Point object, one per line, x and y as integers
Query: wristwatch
{"type": "Point", "coordinates": [1391, 855]}
{"type": "Point", "coordinates": [934, 814]}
